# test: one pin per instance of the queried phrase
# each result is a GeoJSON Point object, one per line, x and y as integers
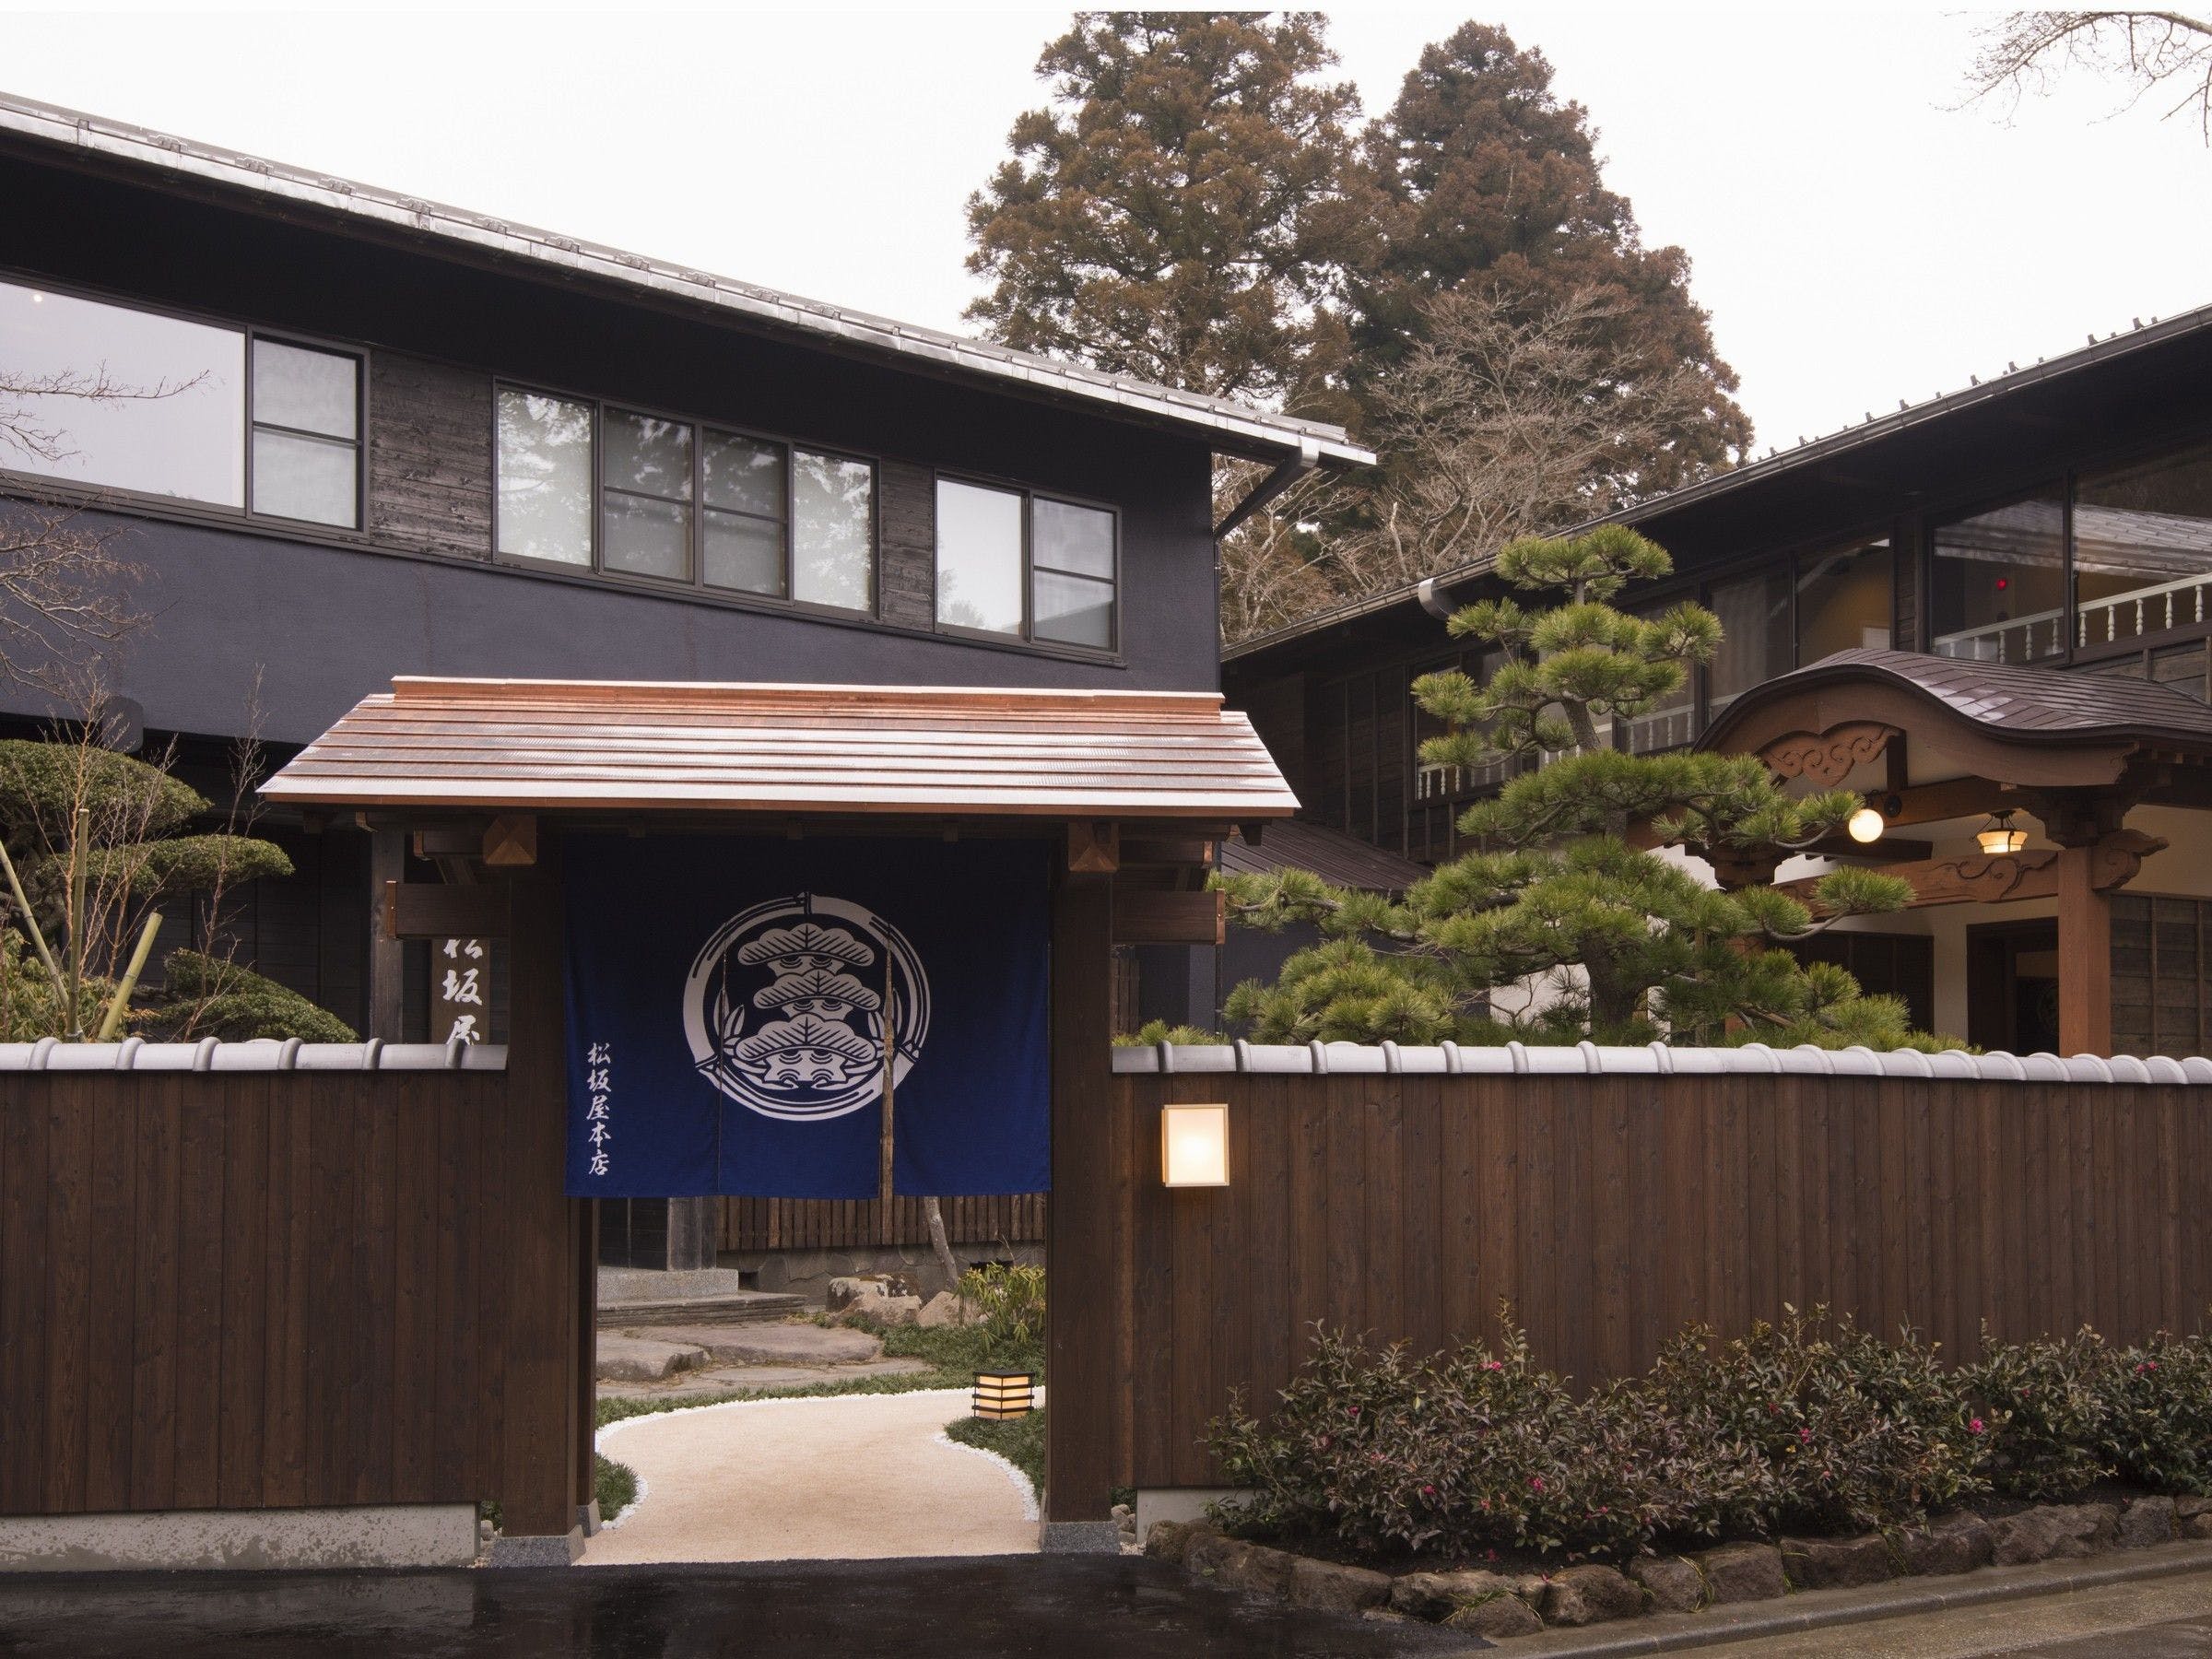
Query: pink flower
{"type": "Point", "coordinates": [1490, 1555]}
{"type": "Point", "coordinates": [1974, 1425]}
{"type": "Point", "coordinates": [1428, 1491]}
{"type": "Point", "coordinates": [1535, 1483]}
{"type": "Point", "coordinates": [1805, 1437]}
{"type": "Point", "coordinates": [1493, 1365]}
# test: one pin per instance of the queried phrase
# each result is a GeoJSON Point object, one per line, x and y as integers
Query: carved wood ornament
{"type": "Point", "coordinates": [1979, 878]}
{"type": "Point", "coordinates": [1827, 757]}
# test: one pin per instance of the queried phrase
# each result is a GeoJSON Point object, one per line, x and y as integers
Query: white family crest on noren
{"type": "Point", "coordinates": [784, 1005]}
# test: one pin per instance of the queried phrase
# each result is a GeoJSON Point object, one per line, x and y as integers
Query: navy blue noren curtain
{"type": "Point", "coordinates": [727, 1008]}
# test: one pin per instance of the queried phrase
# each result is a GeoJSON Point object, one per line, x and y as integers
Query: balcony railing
{"type": "Point", "coordinates": [2106, 621]}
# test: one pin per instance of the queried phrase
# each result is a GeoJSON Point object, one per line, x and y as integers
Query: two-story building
{"type": "Point", "coordinates": [1988, 612]}
{"type": "Point", "coordinates": [358, 435]}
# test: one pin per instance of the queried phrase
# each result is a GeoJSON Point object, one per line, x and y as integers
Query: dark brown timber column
{"type": "Point", "coordinates": [2085, 955]}
{"type": "Point", "coordinates": [541, 1439]}
{"type": "Point", "coordinates": [1084, 1368]}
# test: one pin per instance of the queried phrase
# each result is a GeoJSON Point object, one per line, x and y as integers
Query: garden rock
{"type": "Point", "coordinates": [2054, 1531]}
{"type": "Point", "coordinates": [943, 1308]}
{"type": "Point", "coordinates": [1588, 1596]}
{"type": "Point", "coordinates": [1742, 1572]}
{"type": "Point", "coordinates": [1437, 1595]}
{"type": "Point", "coordinates": [797, 1344]}
{"type": "Point", "coordinates": [1959, 1542]}
{"type": "Point", "coordinates": [2145, 1522]}
{"type": "Point", "coordinates": [2193, 1517]}
{"type": "Point", "coordinates": [1335, 1588]}
{"type": "Point", "coordinates": [1169, 1540]}
{"type": "Point", "coordinates": [874, 1296]}
{"type": "Point", "coordinates": [1673, 1585]}
{"type": "Point", "coordinates": [623, 1358]}
{"type": "Point", "coordinates": [1836, 1563]}
{"type": "Point", "coordinates": [1239, 1565]}
{"type": "Point", "coordinates": [1499, 1615]}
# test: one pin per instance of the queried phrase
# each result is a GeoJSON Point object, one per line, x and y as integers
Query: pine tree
{"type": "Point", "coordinates": [1480, 176]}
{"type": "Point", "coordinates": [1176, 211]}
{"type": "Point", "coordinates": [1570, 885]}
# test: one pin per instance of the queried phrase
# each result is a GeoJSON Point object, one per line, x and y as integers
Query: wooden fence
{"type": "Point", "coordinates": [1610, 1211]}
{"type": "Point", "coordinates": [283, 1289]}
{"type": "Point", "coordinates": [843, 1224]}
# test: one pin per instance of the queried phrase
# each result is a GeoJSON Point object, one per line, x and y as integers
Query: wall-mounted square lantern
{"type": "Point", "coordinates": [1193, 1145]}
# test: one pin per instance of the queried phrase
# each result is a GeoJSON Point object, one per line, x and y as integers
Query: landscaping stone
{"type": "Point", "coordinates": [1335, 1588]}
{"type": "Point", "coordinates": [943, 1308]}
{"type": "Point", "coordinates": [1588, 1596]}
{"type": "Point", "coordinates": [1240, 1566]}
{"type": "Point", "coordinates": [1169, 1539]}
{"type": "Point", "coordinates": [1836, 1563]}
{"type": "Point", "coordinates": [2054, 1531]}
{"type": "Point", "coordinates": [2193, 1517]}
{"type": "Point", "coordinates": [874, 1296]}
{"type": "Point", "coordinates": [1742, 1572]}
{"type": "Point", "coordinates": [1959, 1542]}
{"type": "Point", "coordinates": [1436, 1596]}
{"type": "Point", "coordinates": [803, 1344]}
{"type": "Point", "coordinates": [625, 1359]}
{"type": "Point", "coordinates": [2145, 1522]}
{"type": "Point", "coordinates": [1673, 1585]}
{"type": "Point", "coordinates": [1501, 1616]}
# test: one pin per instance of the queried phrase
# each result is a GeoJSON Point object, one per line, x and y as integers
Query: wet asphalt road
{"type": "Point", "coordinates": [987, 1607]}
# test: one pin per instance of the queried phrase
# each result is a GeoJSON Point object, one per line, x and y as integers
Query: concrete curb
{"type": "Point", "coordinates": [1823, 1609]}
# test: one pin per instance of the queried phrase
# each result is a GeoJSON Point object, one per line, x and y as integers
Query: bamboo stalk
{"type": "Point", "coordinates": [78, 830]}
{"type": "Point", "coordinates": [112, 1020]}
{"type": "Point", "coordinates": [31, 921]}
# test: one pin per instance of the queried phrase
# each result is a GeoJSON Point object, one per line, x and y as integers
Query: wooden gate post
{"type": "Point", "coordinates": [1086, 1363]}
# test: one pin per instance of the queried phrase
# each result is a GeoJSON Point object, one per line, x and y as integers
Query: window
{"type": "Point", "coordinates": [1844, 601]}
{"type": "Point", "coordinates": [1997, 583]}
{"type": "Point", "coordinates": [680, 501]}
{"type": "Point", "coordinates": [175, 423]}
{"type": "Point", "coordinates": [646, 496]}
{"type": "Point", "coordinates": [1754, 612]}
{"type": "Point", "coordinates": [2143, 549]}
{"type": "Point", "coordinates": [307, 434]}
{"type": "Point", "coordinates": [544, 495]}
{"type": "Point", "coordinates": [1027, 567]}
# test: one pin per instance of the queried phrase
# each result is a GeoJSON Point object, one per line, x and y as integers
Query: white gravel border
{"type": "Point", "coordinates": [1021, 1481]}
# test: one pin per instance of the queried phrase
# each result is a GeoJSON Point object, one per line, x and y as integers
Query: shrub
{"type": "Point", "coordinates": [1854, 1433]}
{"type": "Point", "coordinates": [2158, 1433]}
{"type": "Point", "coordinates": [1475, 1450]}
{"type": "Point", "coordinates": [1009, 1297]}
{"type": "Point", "coordinates": [2046, 1409]}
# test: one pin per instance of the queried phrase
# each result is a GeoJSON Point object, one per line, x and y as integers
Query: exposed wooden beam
{"type": "Point", "coordinates": [1168, 918]}
{"type": "Point", "coordinates": [429, 910]}
{"type": "Point", "coordinates": [1094, 848]}
{"type": "Point", "coordinates": [511, 841]}
{"type": "Point", "coordinates": [2010, 878]}
{"type": "Point", "coordinates": [2085, 954]}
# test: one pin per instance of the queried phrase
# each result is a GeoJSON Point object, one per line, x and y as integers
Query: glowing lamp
{"type": "Point", "coordinates": [1998, 837]}
{"type": "Point", "coordinates": [1193, 1145]}
{"type": "Point", "coordinates": [1865, 824]}
{"type": "Point", "coordinates": [1001, 1395]}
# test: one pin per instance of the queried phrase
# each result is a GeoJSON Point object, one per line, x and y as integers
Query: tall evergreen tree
{"type": "Point", "coordinates": [1480, 176]}
{"type": "Point", "coordinates": [1176, 211]}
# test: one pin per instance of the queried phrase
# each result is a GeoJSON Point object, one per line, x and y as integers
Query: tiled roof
{"type": "Point", "coordinates": [2022, 702]}
{"type": "Point", "coordinates": [1338, 859]}
{"type": "Point", "coordinates": [1234, 426]}
{"type": "Point", "coordinates": [1653, 1060]}
{"type": "Point", "coordinates": [596, 745]}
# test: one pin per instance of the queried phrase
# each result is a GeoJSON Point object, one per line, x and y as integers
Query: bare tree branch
{"type": "Point", "coordinates": [2023, 54]}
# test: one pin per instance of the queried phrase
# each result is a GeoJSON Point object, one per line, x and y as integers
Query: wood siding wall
{"type": "Point", "coordinates": [907, 543]}
{"type": "Point", "coordinates": [2161, 975]}
{"type": "Point", "coordinates": [750, 1224]}
{"type": "Point", "coordinates": [1611, 1212]}
{"type": "Point", "coordinates": [273, 1290]}
{"type": "Point", "coordinates": [430, 455]}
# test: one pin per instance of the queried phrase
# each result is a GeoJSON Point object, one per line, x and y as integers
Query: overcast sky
{"type": "Point", "coordinates": [1857, 241]}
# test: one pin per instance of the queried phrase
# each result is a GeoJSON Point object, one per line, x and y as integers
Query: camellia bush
{"type": "Point", "coordinates": [1806, 1426]}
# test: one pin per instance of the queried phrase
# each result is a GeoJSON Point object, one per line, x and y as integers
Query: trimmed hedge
{"type": "Point", "coordinates": [1807, 1426]}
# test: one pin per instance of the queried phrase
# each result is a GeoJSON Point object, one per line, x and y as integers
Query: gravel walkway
{"type": "Point", "coordinates": [857, 1476]}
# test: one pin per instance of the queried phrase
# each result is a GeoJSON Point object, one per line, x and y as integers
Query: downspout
{"type": "Point", "coordinates": [1289, 473]}
{"type": "Point", "coordinates": [1431, 601]}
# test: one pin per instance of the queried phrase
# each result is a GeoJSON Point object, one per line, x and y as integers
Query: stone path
{"type": "Point", "coordinates": [855, 1476]}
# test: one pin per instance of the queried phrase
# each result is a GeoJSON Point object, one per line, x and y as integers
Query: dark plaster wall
{"type": "Point", "coordinates": [324, 622]}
